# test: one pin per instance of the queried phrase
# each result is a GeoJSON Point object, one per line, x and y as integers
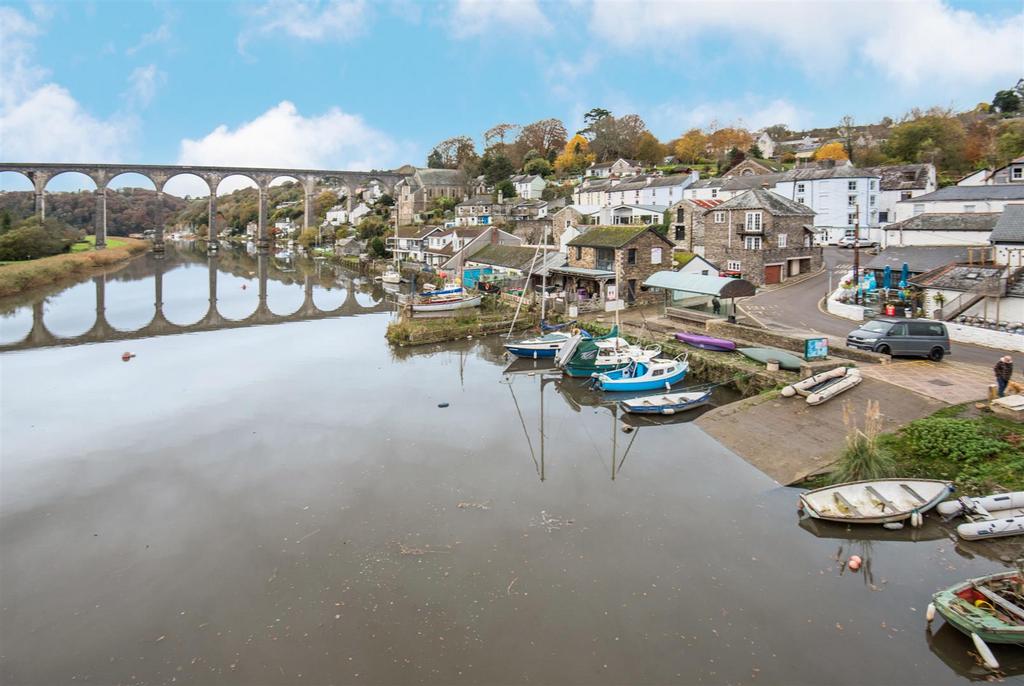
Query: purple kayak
{"type": "Point", "coordinates": [706, 342]}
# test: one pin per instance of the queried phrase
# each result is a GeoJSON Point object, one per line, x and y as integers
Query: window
{"type": "Point", "coordinates": [782, 240]}
{"type": "Point", "coordinates": [800, 199]}
{"type": "Point", "coordinates": [655, 255]}
{"type": "Point", "coordinates": [851, 200]}
{"type": "Point", "coordinates": [1017, 173]}
{"type": "Point", "coordinates": [851, 185]}
{"type": "Point", "coordinates": [851, 218]}
{"type": "Point", "coordinates": [752, 221]}
{"type": "Point", "coordinates": [631, 256]}
{"type": "Point", "coordinates": [872, 184]}
{"type": "Point", "coordinates": [926, 329]}
{"type": "Point", "coordinates": [680, 233]}
{"type": "Point", "coordinates": [906, 195]}
{"type": "Point", "coordinates": [883, 216]}
{"type": "Point", "coordinates": [579, 252]}
{"type": "Point", "coordinates": [719, 217]}
{"type": "Point", "coordinates": [714, 192]}
{"type": "Point", "coordinates": [898, 329]}
{"type": "Point", "coordinates": [800, 187]}
{"type": "Point", "coordinates": [968, 208]}
{"type": "Point", "coordinates": [918, 209]}
{"type": "Point", "coordinates": [752, 242]}
{"type": "Point", "coordinates": [732, 265]}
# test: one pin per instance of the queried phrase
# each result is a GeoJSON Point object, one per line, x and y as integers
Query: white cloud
{"type": "Point", "coordinates": [483, 17]}
{"type": "Point", "coordinates": [282, 137]}
{"type": "Point", "coordinates": [143, 84]}
{"type": "Point", "coordinates": [43, 122]}
{"type": "Point", "coordinates": [909, 43]}
{"type": "Point", "coordinates": [305, 20]}
{"type": "Point", "coordinates": [161, 34]}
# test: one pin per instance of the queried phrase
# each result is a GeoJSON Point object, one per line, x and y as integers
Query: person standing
{"type": "Point", "coordinates": [1004, 371]}
{"type": "Point", "coordinates": [716, 305]}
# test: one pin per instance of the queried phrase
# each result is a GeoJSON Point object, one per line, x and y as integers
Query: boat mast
{"type": "Point", "coordinates": [544, 277]}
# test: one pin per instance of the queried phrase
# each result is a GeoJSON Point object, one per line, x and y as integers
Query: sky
{"type": "Point", "coordinates": [361, 84]}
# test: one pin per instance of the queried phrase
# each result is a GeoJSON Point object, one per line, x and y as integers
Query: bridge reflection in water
{"type": "Point", "coordinates": [360, 298]}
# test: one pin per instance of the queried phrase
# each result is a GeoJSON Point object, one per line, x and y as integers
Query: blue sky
{"type": "Point", "coordinates": [358, 84]}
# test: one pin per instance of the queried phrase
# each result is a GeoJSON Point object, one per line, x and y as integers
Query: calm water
{"type": "Point", "coordinates": [286, 503]}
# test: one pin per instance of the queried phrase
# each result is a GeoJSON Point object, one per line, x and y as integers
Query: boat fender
{"type": "Point", "coordinates": [668, 386]}
{"type": "Point", "coordinates": [984, 652]}
{"type": "Point", "coordinates": [575, 331]}
{"type": "Point", "coordinates": [668, 410]}
{"type": "Point", "coordinates": [854, 562]}
{"type": "Point", "coordinates": [916, 519]}
{"type": "Point", "coordinates": [893, 526]}
{"type": "Point", "coordinates": [929, 613]}
{"type": "Point", "coordinates": [788, 392]}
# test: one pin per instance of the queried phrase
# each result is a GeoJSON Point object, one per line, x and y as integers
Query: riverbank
{"type": "Point", "coordinates": [491, 318]}
{"type": "Point", "coordinates": [20, 276]}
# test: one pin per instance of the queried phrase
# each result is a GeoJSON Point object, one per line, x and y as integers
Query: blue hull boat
{"type": "Point", "coordinates": [655, 375]}
{"type": "Point", "coordinates": [546, 345]}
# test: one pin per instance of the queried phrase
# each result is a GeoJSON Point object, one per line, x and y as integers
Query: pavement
{"type": "Point", "coordinates": [788, 439]}
{"type": "Point", "coordinates": [948, 381]}
{"type": "Point", "coordinates": [795, 308]}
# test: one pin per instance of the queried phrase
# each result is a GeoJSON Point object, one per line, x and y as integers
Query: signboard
{"type": "Point", "coordinates": [613, 305]}
{"type": "Point", "coordinates": [815, 349]}
{"type": "Point", "coordinates": [611, 292]}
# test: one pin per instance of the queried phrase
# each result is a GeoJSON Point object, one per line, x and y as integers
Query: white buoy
{"type": "Point", "coordinates": [985, 652]}
{"type": "Point", "coordinates": [929, 613]}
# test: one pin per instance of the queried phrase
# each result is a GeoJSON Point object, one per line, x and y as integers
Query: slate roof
{"type": "Point", "coordinates": [610, 236]}
{"type": "Point", "coordinates": [840, 171]}
{"type": "Point", "coordinates": [947, 221]}
{"type": "Point", "coordinates": [670, 180]}
{"type": "Point", "coordinates": [601, 165]}
{"type": "Point", "coordinates": [1006, 191]}
{"type": "Point", "coordinates": [411, 231]}
{"type": "Point", "coordinates": [476, 200]}
{"type": "Point", "coordinates": [437, 177]}
{"type": "Point", "coordinates": [1010, 226]}
{"type": "Point", "coordinates": [634, 184]}
{"type": "Point", "coordinates": [901, 177]}
{"type": "Point", "coordinates": [524, 178]}
{"type": "Point", "coordinates": [919, 259]}
{"type": "Point", "coordinates": [961, 277]}
{"type": "Point", "coordinates": [511, 256]}
{"type": "Point", "coordinates": [773, 203]}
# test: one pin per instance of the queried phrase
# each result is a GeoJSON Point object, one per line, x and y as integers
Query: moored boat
{"type": "Point", "coordinates": [989, 609]}
{"type": "Point", "coordinates": [444, 305]}
{"type": "Point", "coordinates": [667, 403]}
{"type": "Point", "coordinates": [391, 275]}
{"type": "Point", "coordinates": [546, 345]}
{"type": "Point", "coordinates": [785, 360]}
{"type": "Point", "coordinates": [876, 501]}
{"type": "Point", "coordinates": [705, 342]}
{"type": "Point", "coordinates": [824, 386]}
{"type": "Point", "coordinates": [992, 516]}
{"type": "Point", "coordinates": [657, 374]}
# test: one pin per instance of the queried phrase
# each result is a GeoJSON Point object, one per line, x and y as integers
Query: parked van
{"type": "Point", "coordinates": [895, 336]}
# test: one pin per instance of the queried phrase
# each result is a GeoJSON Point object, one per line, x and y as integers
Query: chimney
{"type": "Point", "coordinates": [494, 235]}
{"type": "Point", "coordinates": [499, 196]}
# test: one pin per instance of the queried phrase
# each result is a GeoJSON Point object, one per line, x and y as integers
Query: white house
{"type": "Point", "coordinates": [941, 229]}
{"type": "Point", "coordinates": [841, 197]}
{"type": "Point", "coordinates": [961, 200]}
{"type": "Point", "coordinates": [529, 186]}
{"type": "Point", "coordinates": [730, 186]}
{"type": "Point", "coordinates": [666, 190]}
{"type": "Point", "coordinates": [1008, 236]}
{"type": "Point", "coordinates": [357, 214]}
{"type": "Point", "coordinates": [285, 225]}
{"type": "Point", "coordinates": [619, 167]}
{"type": "Point", "coordinates": [337, 215]}
{"type": "Point", "coordinates": [975, 178]}
{"type": "Point", "coordinates": [592, 194]}
{"type": "Point", "coordinates": [630, 214]}
{"type": "Point", "coordinates": [765, 144]}
{"type": "Point", "coordinates": [901, 182]}
{"type": "Point", "coordinates": [410, 243]}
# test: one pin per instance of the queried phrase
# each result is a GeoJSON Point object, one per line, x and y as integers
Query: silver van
{"type": "Point", "coordinates": [895, 336]}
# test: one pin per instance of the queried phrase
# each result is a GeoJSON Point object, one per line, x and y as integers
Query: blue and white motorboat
{"type": "Point", "coordinates": [545, 345]}
{"type": "Point", "coordinates": [667, 403]}
{"type": "Point", "coordinates": [656, 374]}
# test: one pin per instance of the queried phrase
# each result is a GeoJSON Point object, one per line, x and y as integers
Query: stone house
{"type": "Point", "coordinates": [603, 255]}
{"type": "Point", "coordinates": [686, 225]}
{"type": "Point", "coordinates": [754, 167]}
{"type": "Point", "coordinates": [415, 193]}
{"type": "Point", "coordinates": [479, 210]}
{"type": "Point", "coordinates": [561, 226]}
{"type": "Point", "coordinates": [762, 237]}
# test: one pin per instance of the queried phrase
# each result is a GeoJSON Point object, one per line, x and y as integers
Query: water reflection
{"type": "Point", "coordinates": [186, 291]}
{"type": "Point", "coordinates": [956, 650]}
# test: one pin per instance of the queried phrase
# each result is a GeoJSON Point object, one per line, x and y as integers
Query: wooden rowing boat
{"type": "Point", "coordinates": [875, 501]}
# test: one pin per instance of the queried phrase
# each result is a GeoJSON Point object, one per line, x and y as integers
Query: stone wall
{"type": "Point", "coordinates": [792, 343]}
{"type": "Point", "coordinates": [643, 268]}
{"type": "Point", "coordinates": [720, 249]}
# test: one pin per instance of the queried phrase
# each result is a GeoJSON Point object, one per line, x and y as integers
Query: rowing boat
{"type": "Point", "coordinates": [875, 501]}
{"type": "Point", "coordinates": [667, 403]}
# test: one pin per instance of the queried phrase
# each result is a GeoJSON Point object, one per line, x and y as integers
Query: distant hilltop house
{"type": "Point", "coordinates": [762, 237]}
{"type": "Point", "coordinates": [1009, 174]}
{"type": "Point", "coordinates": [416, 192]}
{"type": "Point", "coordinates": [901, 182]}
{"type": "Point", "coordinates": [765, 144]}
{"type": "Point", "coordinates": [619, 167]}
{"type": "Point", "coordinates": [336, 216]}
{"type": "Point", "coordinates": [647, 189]}
{"type": "Point", "coordinates": [803, 148]}
{"type": "Point", "coordinates": [753, 167]}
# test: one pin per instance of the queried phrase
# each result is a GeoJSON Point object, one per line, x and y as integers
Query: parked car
{"type": "Point", "coordinates": [850, 241]}
{"type": "Point", "coordinates": [896, 336]}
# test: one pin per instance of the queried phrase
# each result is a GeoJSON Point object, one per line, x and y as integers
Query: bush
{"type": "Point", "coordinates": [950, 439]}
{"type": "Point", "coordinates": [32, 240]}
{"type": "Point", "coordinates": [863, 458]}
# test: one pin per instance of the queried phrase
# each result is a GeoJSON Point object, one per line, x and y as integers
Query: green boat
{"type": "Point", "coordinates": [586, 357]}
{"type": "Point", "coordinates": [786, 360]}
{"type": "Point", "coordinates": [989, 607]}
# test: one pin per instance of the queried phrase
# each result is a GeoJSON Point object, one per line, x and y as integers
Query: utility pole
{"type": "Point", "coordinates": [856, 252]}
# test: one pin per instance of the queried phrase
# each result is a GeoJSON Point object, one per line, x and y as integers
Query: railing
{"type": "Point", "coordinates": [993, 286]}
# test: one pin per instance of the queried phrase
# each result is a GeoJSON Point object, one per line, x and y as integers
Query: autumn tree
{"type": "Point", "coordinates": [691, 146]}
{"type": "Point", "coordinates": [615, 137]}
{"type": "Point", "coordinates": [454, 153]}
{"type": "Point", "coordinates": [538, 165]}
{"type": "Point", "coordinates": [934, 136]}
{"type": "Point", "coordinates": [721, 141]}
{"type": "Point", "coordinates": [497, 133]}
{"type": "Point", "coordinates": [575, 157]}
{"type": "Point", "coordinates": [831, 151]}
{"type": "Point", "coordinates": [547, 137]}
{"type": "Point", "coordinates": [650, 150]}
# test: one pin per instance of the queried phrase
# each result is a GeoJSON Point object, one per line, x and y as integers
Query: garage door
{"type": "Point", "coordinates": [773, 274]}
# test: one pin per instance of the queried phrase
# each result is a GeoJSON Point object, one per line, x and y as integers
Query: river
{"type": "Point", "coordinates": [287, 502]}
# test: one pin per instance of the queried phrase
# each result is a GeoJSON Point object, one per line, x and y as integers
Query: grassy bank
{"type": "Point", "coordinates": [16, 277]}
{"type": "Point", "coordinates": [979, 451]}
{"type": "Point", "coordinates": [89, 243]}
{"type": "Point", "coordinates": [492, 317]}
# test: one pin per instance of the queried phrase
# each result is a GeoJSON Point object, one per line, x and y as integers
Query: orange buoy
{"type": "Point", "coordinates": [854, 562]}
{"type": "Point", "coordinates": [127, 356]}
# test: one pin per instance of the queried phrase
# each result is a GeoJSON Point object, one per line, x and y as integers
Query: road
{"type": "Point", "coordinates": [796, 308]}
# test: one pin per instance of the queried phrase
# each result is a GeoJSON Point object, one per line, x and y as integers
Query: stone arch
{"type": "Point", "coordinates": [283, 217]}
{"type": "Point", "coordinates": [8, 175]}
{"type": "Point", "coordinates": [152, 223]}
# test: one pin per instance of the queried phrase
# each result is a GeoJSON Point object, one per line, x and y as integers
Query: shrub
{"type": "Point", "coordinates": [950, 439]}
{"type": "Point", "coordinates": [863, 458]}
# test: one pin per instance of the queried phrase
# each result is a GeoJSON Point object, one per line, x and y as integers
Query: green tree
{"type": "Point", "coordinates": [434, 160]}
{"type": "Point", "coordinates": [495, 167]}
{"type": "Point", "coordinates": [538, 165]}
{"type": "Point", "coordinates": [755, 152]}
{"type": "Point", "coordinates": [309, 237]}
{"type": "Point", "coordinates": [32, 238]}
{"type": "Point", "coordinates": [934, 136]}
{"type": "Point", "coordinates": [5, 222]}
{"type": "Point", "coordinates": [506, 188]}
{"type": "Point", "coordinates": [371, 226]}
{"type": "Point", "coordinates": [377, 247]}
{"type": "Point", "coordinates": [1006, 102]}
{"type": "Point", "coordinates": [1010, 142]}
